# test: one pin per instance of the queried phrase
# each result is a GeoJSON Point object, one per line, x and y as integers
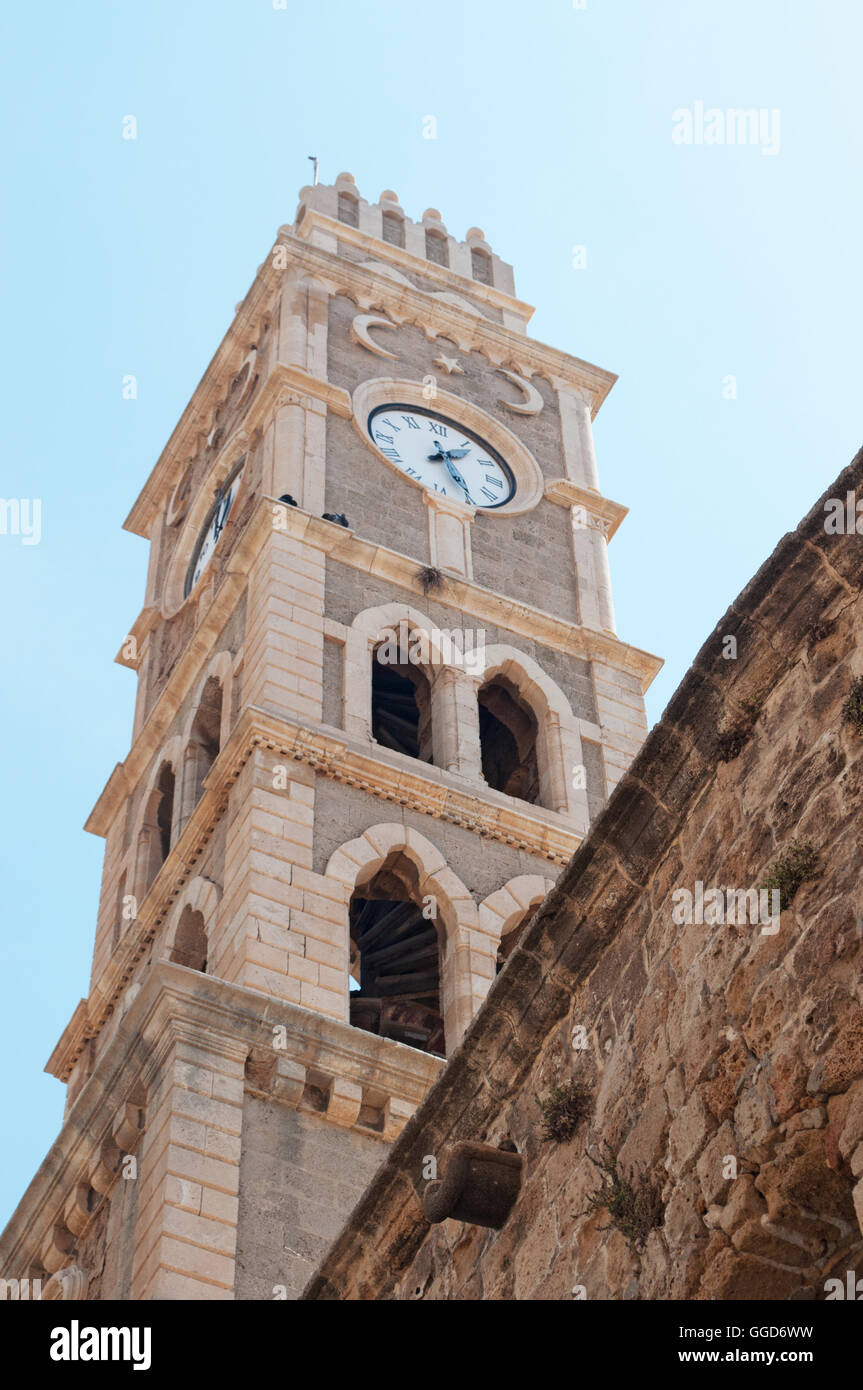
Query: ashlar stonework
{"type": "Point", "coordinates": [724, 1061]}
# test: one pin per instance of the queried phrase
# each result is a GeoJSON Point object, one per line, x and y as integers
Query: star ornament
{"type": "Point", "coordinates": [449, 364]}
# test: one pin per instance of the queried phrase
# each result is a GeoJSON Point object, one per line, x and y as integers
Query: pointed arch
{"type": "Point", "coordinates": [190, 927]}
{"type": "Point", "coordinates": [206, 727]}
{"type": "Point", "coordinates": [558, 740]}
{"type": "Point", "coordinates": [412, 635]}
{"type": "Point", "coordinates": [356, 863]}
{"type": "Point", "coordinates": [156, 824]}
{"type": "Point", "coordinates": [504, 914]}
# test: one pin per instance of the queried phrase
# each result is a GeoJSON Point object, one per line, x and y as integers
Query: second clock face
{"type": "Point", "coordinates": [438, 453]}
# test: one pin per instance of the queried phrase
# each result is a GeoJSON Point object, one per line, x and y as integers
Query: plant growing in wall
{"type": "Point", "coordinates": [633, 1203]}
{"type": "Point", "coordinates": [563, 1110]}
{"type": "Point", "coordinates": [852, 710]}
{"type": "Point", "coordinates": [796, 864]}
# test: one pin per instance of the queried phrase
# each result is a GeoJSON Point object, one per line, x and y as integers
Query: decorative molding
{"type": "Point", "coordinates": [369, 290]}
{"type": "Point", "coordinates": [565, 493]}
{"type": "Point", "coordinates": [531, 404]}
{"type": "Point", "coordinates": [462, 595]}
{"type": "Point", "coordinates": [68, 1285]}
{"type": "Point", "coordinates": [386, 775]}
{"type": "Point", "coordinates": [227, 1019]}
{"type": "Point", "coordinates": [360, 333]}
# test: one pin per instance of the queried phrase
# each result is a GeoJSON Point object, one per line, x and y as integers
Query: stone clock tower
{"type": "Point", "coordinates": [380, 699]}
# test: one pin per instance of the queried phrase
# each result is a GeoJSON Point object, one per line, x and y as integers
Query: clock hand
{"type": "Point", "coordinates": [457, 478]}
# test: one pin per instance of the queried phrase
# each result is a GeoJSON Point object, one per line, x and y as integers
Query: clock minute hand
{"type": "Point", "coordinates": [457, 478]}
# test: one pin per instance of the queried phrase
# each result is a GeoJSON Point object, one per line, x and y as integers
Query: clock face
{"type": "Point", "coordinates": [212, 529]}
{"type": "Point", "coordinates": [438, 453]}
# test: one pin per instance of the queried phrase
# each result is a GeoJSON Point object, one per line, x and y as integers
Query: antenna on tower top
{"type": "Point", "coordinates": [314, 159]}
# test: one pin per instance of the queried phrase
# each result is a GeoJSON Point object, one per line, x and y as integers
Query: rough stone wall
{"type": "Point", "coordinates": [710, 1049]}
{"type": "Point", "coordinates": [299, 1179]}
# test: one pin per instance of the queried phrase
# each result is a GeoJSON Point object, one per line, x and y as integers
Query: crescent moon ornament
{"type": "Point", "coordinates": [360, 333]}
{"type": "Point", "coordinates": [532, 403]}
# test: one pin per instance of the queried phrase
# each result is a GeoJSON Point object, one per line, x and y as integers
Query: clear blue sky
{"type": "Point", "coordinates": [553, 130]}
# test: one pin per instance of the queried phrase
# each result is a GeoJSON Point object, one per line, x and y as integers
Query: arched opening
{"type": "Point", "coordinates": [395, 959]}
{"type": "Point", "coordinates": [393, 228]}
{"type": "Point", "coordinates": [203, 746]}
{"type": "Point", "coordinates": [190, 941]}
{"type": "Point", "coordinates": [349, 210]}
{"type": "Point", "coordinates": [165, 810]}
{"type": "Point", "coordinates": [120, 922]}
{"type": "Point", "coordinates": [511, 938]}
{"type": "Point", "coordinates": [480, 266]}
{"type": "Point", "coordinates": [508, 733]}
{"type": "Point", "coordinates": [154, 841]}
{"type": "Point", "coordinates": [436, 247]}
{"type": "Point", "coordinates": [401, 707]}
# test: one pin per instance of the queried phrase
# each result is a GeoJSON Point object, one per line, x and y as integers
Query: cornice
{"type": "Point", "coordinates": [367, 287]}
{"type": "Point", "coordinates": [565, 493]}
{"type": "Point", "coordinates": [461, 594]}
{"type": "Point", "coordinates": [176, 1003]}
{"type": "Point", "coordinates": [378, 772]}
{"type": "Point", "coordinates": [384, 251]}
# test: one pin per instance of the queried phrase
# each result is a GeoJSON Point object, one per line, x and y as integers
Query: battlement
{"type": "Point", "coordinates": [428, 239]}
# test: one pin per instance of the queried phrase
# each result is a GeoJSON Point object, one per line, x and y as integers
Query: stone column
{"type": "Point", "coordinates": [577, 435]}
{"type": "Point", "coordinates": [455, 722]}
{"type": "Point", "coordinates": [590, 552]}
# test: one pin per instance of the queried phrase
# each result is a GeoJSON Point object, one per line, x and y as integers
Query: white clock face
{"type": "Point", "coordinates": [212, 530]}
{"type": "Point", "coordinates": [438, 453]}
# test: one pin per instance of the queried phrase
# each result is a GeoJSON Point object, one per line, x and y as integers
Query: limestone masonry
{"type": "Point", "coordinates": [380, 701]}
{"type": "Point", "coordinates": [714, 1149]}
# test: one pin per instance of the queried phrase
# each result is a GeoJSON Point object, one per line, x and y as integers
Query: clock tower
{"type": "Point", "coordinates": [380, 699]}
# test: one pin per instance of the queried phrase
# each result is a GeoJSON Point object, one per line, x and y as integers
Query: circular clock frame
{"type": "Point", "coordinates": [233, 458]}
{"type": "Point", "coordinates": [459, 426]}
{"type": "Point", "coordinates": [508, 448]}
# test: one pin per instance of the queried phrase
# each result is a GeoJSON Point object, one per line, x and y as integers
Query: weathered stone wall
{"type": "Point", "coordinates": [299, 1179]}
{"type": "Point", "coordinates": [711, 1049]}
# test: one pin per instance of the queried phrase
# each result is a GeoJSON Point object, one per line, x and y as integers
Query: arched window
{"type": "Point", "coordinates": [120, 923]}
{"type": "Point", "coordinates": [401, 707]}
{"type": "Point", "coordinates": [480, 266]}
{"type": "Point", "coordinates": [511, 938]}
{"type": "Point", "coordinates": [349, 212]}
{"type": "Point", "coordinates": [190, 941]}
{"type": "Point", "coordinates": [395, 959]}
{"type": "Point", "coordinates": [202, 748]}
{"type": "Point", "coordinates": [154, 841]}
{"type": "Point", "coordinates": [393, 228]}
{"type": "Point", "coordinates": [508, 733]}
{"type": "Point", "coordinates": [436, 247]}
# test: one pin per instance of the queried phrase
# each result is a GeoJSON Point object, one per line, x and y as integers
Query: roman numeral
{"type": "Point", "coordinates": [437, 429]}
{"type": "Point", "coordinates": [439, 488]}
{"type": "Point", "coordinates": [392, 454]}
{"type": "Point", "coordinates": [495, 482]}
{"type": "Point", "coordinates": [389, 424]}
{"type": "Point", "coordinates": [412, 472]}
{"type": "Point", "coordinates": [380, 436]}
{"type": "Point", "coordinates": [487, 492]}
{"type": "Point", "coordinates": [412, 424]}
